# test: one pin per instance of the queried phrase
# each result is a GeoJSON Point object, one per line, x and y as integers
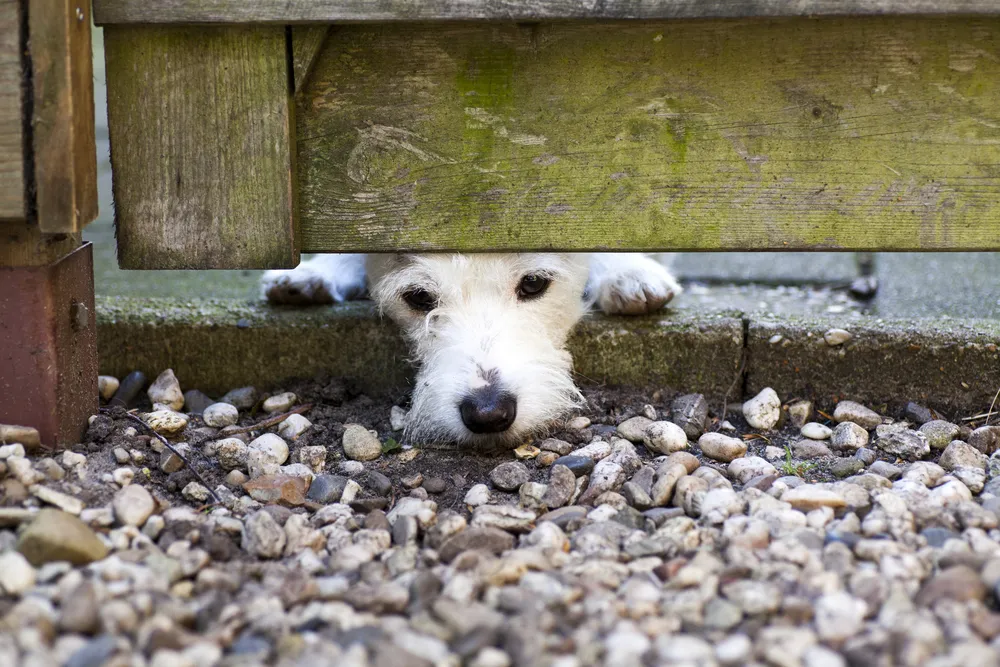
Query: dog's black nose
{"type": "Point", "coordinates": [488, 410]}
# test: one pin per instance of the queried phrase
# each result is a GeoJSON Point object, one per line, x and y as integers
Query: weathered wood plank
{"type": "Point", "coordinates": [23, 244]}
{"type": "Point", "coordinates": [11, 123]}
{"type": "Point", "coordinates": [304, 11]}
{"type": "Point", "coordinates": [64, 151]}
{"type": "Point", "coordinates": [777, 134]}
{"type": "Point", "coordinates": [200, 123]}
{"type": "Point", "coordinates": [306, 44]}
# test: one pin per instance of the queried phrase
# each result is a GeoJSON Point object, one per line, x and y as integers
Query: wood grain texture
{"type": "Point", "coordinates": [845, 134]}
{"type": "Point", "coordinates": [64, 150]}
{"type": "Point", "coordinates": [23, 244]}
{"type": "Point", "coordinates": [11, 123]}
{"type": "Point", "coordinates": [200, 124]}
{"type": "Point", "coordinates": [306, 44]}
{"type": "Point", "coordinates": [301, 11]}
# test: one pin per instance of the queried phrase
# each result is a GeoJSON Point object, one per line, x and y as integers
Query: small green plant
{"type": "Point", "coordinates": [390, 445]}
{"type": "Point", "coordinates": [789, 467]}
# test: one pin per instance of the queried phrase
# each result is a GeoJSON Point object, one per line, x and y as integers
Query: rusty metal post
{"type": "Point", "coordinates": [48, 347]}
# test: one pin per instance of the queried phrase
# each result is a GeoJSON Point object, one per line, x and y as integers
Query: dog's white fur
{"type": "Point", "coordinates": [480, 332]}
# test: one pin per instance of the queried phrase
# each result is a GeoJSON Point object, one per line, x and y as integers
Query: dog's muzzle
{"type": "Point", "coordinates": [488, 410]}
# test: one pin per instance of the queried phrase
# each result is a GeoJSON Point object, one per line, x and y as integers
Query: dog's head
{"type": "Point", "coordinates": [488, 333]}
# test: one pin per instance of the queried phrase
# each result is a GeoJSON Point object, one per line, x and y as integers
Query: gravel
{"type": "Point", "coordinates": [637, 534]}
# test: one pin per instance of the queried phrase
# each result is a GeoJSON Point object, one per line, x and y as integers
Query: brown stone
{"type": "Point", "coordinates": [281, 489]}
{"type": "Point", "coordinates": [960, 583]}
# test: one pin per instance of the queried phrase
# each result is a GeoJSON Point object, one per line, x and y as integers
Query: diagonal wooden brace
{"type": "Point", "coordinates": [48, 347]}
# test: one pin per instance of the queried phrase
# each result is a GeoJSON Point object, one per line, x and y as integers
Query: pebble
{"type": "Point", "coordinates": [845, 467]}
{"type": "Point", "coordinates": [799, 413]}
{"type": "Point", "coordinates": [65, 502]}
{"type": "Point", "coordinates": [435, 485]}
{"type": "Point", "coordinates": [664, 437]}
{"type": "Point", "coordinates": [959, 583]}
{"type": "Point", "coordinates": [721, 447]}
{"type": "Point", "coordinates": [918, 413]}
{"type": "Point", "coordinates": [634, 429]}
{"type": "Point", "coordinates": [478, 495]}
{"type": "Point", "coordinates": [579, 465]}
{"type": "Point", "coordinates": [166, 422]}
{"type": "Point", "coordinates": [561, 487]}
{"type": "Point", "coordinates": [484, 538]}
{"type": "Point", "coordinates": [293, 427]}
{"type": "Point", "coordinates": [232, 453]}
{"type": "Point", "coordinates": [810, 449]}
{"type": "Point", "coordinates": [326, 489]}
{"type": "Point", "coordinates": [808, 497]}
{"type": "Point", "coordinates": [196, 402]}
{"type": "Point", "coordinates": [509, 476]}
{"type": "Point", "coordinates": [288, 490]}
{"type": "Point", "coordinates": [54, 535]}
{"type": "Point", "coordinates": [816, 431]}
{"type": "Point", "coordinates": [107, 385]}
{"type": "Point", "coordinates": [885, 469]}
{"type": "Point", "coordinates": [939, 433]}
{"type": "Point", "coordinates": [133, 505]}
{"type": "Point", "coordinates": [243, 398]}
{"type": "Point", "coordinates": [360, 444]}
{"type": "Point", "coordinates": [279, 403]}
{"type": "Point", "coordinates": [272, 448]}
{"type": "Point", "coordinates": [834, 337]}
{"type": "Point", "coordinates": [397, 418]}
{"type": "Point", "coordinates": [17, 576]}
{"type": "Point", "coordinates": [848, 436]}
{"type": "Point", "coordinates": [746, 468]}
{"type": "Point", "coordinates": [262, 536]}
{"type": "Point", "coordinates": [560, 447]}
{"type": "Point", "coordinates": [220, 415]}
{"type": "Point", "coordinates": [904, 443]}
{"type": "Point", "coordinates": [959, 454]}
{"type": "Point", "coordinates": [195, 492]}
{"type": "Point", "coordinates": [763, 411]}
{"type": "Point", "coordinates": [690, 412]}
{"type": "Point", "coordinates": [986, 439]}
{"type": "Point", "coordinates": [166, 390]}
{"type": "Point", "coordinates": [849, 411]}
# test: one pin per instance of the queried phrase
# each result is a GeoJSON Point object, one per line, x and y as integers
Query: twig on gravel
{"type": "Point", "coordinates": [270, 421]}
{"type": "Point", "coordinates": [725, 398]}
{"type": "Point", "coordinates": [990, 412]}
{"type": "Point", "coordinates": [165, 443]}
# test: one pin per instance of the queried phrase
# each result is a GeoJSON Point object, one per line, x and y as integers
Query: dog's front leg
{"type": "Point", "coordinates": [630, 283]}
{"type": "Point", "coordinates": [323, 279]}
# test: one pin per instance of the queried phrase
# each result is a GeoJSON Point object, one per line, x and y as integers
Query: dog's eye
{"type": "Point", "coordinates": [420, 299]}
{"type": "Point", "coordinates": [532, 286]}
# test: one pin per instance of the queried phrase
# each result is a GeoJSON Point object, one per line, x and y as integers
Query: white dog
{"type": "Point", "coordinates": [488, 332]}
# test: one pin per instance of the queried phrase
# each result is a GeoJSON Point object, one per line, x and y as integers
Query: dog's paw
{"type": "Point", "coordinates": [642, 288]}
{"type": "Point", "coordinates": [297, 287]}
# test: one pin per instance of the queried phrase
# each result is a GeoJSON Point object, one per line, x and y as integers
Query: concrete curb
{"type": "Point", "coordinates": [952, 366]}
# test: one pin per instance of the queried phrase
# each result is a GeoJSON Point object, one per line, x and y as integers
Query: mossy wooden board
{"type": "Point", "coordinates": [853, 133]}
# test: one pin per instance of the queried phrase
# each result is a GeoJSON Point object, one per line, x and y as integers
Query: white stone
{"type": "Point", "coordinates": [397, 418]}
{"type": "Point", "coordinates": [834, 337]}
{"type": "Point", "coordinates": [7, 451]}
{"type": "Point", "coordinates": [107, 385]}
{"type": "Point", "coordinates": [850, 411]}
{"type": "Point", "coordinates": [478, 495]}
{"type": "Point", "coordinates": [273, 448]}
{"type": "Point", "coordinates": [166, 390]}
{"type": "Point", "coordinates": [664, 437]}
{"type": "Point", "coordinates": [360, 444]}
{"type": "Point", "coordinates": [848, 436]}
{"type": "Point", "coordinates": [220, 415]}
{"type": "Point", "coordinates": [17, 576]}
{"type": "Point", "coordinates": [721, 447]}
{"type": "Point", "coordinates": [763, 410]}
{"type": "Point", "coordinates": [166, 422]}
{"type": "Point", "coordinates": [816, 431]}
{"type": "Point", "coordinates": [280, 403]}
{"type": "Point", "coordinates": [232, 453]}
{"type": "Point", "coordinates": [63, 501]}
{"type": "Point", "coordinates": [72, 459]}
{"type": "Point", "coordinates": [293, 427]}
{"type": "Point", "coordinates": [746, 468]}
{"type": "Point", "coordinates": [133, 505]}
{"type": "Point", "coordinates": [123, 476]}
{"type": "Point", "coordinates": [195, 492]}
{"type": "Point", "coordinates": [839, 616]}
{"type": "Point", "coordinates": [811, 496]}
